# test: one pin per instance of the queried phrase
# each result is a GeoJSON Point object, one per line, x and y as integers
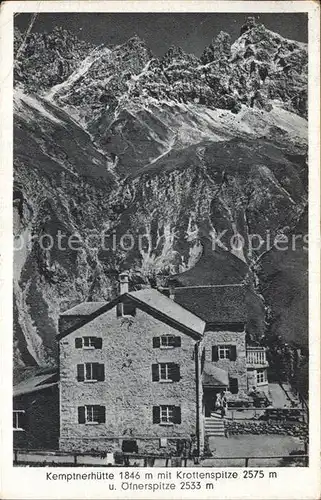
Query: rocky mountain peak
{"type": "Point", "coordinates": [43, 60]}
{"type": "Point", "coordinates": [176, 55]}
{"type": "Point", "coordinates": [248, 25]}
{"type": "Point", "coordinates": [134, 47]}
{"type": "Point", "coordinates": [218, 49]}
{"type": "Point", "coordinates": [135, 43]}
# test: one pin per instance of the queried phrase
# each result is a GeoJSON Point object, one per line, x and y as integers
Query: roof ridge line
{"type": "Point", "coordinates": [171, 301]}
{"type": "Point", "coordinates": [101, 302]}
{"type": "Point", "coordinates": [173, 320]}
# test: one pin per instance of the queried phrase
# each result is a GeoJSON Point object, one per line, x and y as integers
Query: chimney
{"type": "Point", "coordinates": [123, 283]}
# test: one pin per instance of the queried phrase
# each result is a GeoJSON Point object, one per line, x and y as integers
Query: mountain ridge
{"type": "Point", "coordinates": [169, 149]}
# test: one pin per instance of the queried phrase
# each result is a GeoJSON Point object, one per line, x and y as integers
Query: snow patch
{"type": "Point", "coordinates": [144, 70]}
{"type": "Point", "coordinates": [168, 150]}
{"type": "Point", "coordinates": [20, 98]}
{"type": "Point", "coordinates": [21, 252]}
{"type": "Point", "coordinates": [33, 340]}
{"type": "Point", "coordinates": [151, 261]}
{"type": "Point", "coordinates": [85, 65]}
{"type": "Point", "coordinates": [270, 175]}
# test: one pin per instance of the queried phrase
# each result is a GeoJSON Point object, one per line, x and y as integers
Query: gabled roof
{"type": "Point", "coordinates": [218, 304]}
{"type": "Point", "coordinates": [153, 298]}
{"type": "Point", "coordinates": [150, 300]}
{"type": "Point", "coordinates": [84, 309]}
{"type": "Point", "coordinates": [215, 290]}
{"type": "Point", "coordinates": [36, 383]}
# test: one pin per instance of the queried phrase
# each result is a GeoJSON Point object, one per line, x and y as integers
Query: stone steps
{"type": "Point", "coordinates": [214, 426]}
{"type": "Point", "coordinates": [216, 415]}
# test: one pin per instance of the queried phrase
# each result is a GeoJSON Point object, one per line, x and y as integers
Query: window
{"type": "Point", "coordinates": [224, 352]}
{"type": "Point", "coordinates": [165, 371]}
{"type": "Point", "coordinates": [163, 442]}
{"type": "Point", "coordinates": [18, 420]}
{"type": "Point", "coordinates": [129, 446]}
{"type": "Point", "coordinates": [88, 342]}
{"type": "Point", "coordinates": [260, 376]}
{"type": "Point", "coordinates": [91, 414]}
{"type": "Point", "coordinates": [90, 372]}
{"type": "Point", "coordinates": [166, 414]}
{"type": "Point", "coordinates": [167, 341]}
{"type": "Point", "coordinates": [162, 372]}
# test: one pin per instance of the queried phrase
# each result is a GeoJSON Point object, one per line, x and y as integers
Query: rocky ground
{"type": "Point", "coordinates": [300, 429]}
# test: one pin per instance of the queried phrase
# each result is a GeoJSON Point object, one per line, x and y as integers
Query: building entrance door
{"type": "Point", "coordinates": [209, 398]}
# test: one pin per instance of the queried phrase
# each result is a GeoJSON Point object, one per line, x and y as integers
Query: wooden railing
{"type": "Point", "coordinates": [256, 355]}
{"type": "Point", "coordinates": [243, 413]}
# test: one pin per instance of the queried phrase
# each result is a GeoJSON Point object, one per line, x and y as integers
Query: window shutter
{"type": "Point", "coordinates": [78, 343]}
{"type": "Point", "coordinates": [177, 415]}
{"type": "Point", "coordinates": [234, 385]}
{"type": "Point", "coordinates": [175, 372]}
{"type": "Point", "coordinates": [102, 413]}
{"type": "Point", "coordinates": [177, 341]}
{"type": "Point", "coordinates": [156, 341]}
{"type": "Point", "coordinates": [98, 342]}
{"type": "Point", "coordinates": [119, 309]}
{"type": "Point", "coordinates": [156, 414]}
{"type": "Point", "coordinates": [155, 373]}
{"type": "Point", "coordinates": [100, 372]}
{"type": "Point", "coordinates": [81, 415]}
{"type": "Point", "coordinates": [215, 353]}
{"type": "Point", "coordinates": [233, 352]}
{"type": "Point", "coordinates": [80, 373]}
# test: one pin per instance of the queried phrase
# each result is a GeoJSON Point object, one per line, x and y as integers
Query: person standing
{"type": "Point", "coordinates": [218, 401]}
{"type": "Point", "coordinates": [223, 404]}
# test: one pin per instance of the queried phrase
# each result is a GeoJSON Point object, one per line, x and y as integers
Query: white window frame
{"type": "Point", "coordinates": [223, 351]}
{"type": "Point", "coordinates": [16, 413]}
{"type": "Point", "coordinates": [89, 415]}
{"type": "Point", "coordinates": [167, 414]}
{"type": "Point", "coordinates": [165, 367]}
{"type": "Point", "coordinates": [90, 378]}
{"type": "Point", "coordinates": [164, 341]}
{"type": "Point", "coordinates": [90, 340]}
{"type": "Point", "coordinates": [260, 376]}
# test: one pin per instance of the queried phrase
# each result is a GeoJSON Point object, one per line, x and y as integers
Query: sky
{"type": "Point", "coordinates": [191, 31]}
